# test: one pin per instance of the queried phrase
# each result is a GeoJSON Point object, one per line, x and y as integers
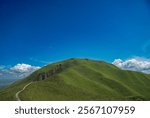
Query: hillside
{"type": "Point", "coordinates": [81, 79]}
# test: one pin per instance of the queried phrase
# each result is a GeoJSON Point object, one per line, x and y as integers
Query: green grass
{"type": "Point", "coordinates": [82, 79]}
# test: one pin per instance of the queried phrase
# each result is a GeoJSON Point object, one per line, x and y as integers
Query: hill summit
{"type": "Point", "coordinates": [80, 79]}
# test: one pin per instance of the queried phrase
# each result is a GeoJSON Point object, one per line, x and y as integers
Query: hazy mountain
{"type": "Point", "coordinates": [6, 82]}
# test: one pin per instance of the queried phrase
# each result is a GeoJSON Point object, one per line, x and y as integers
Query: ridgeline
{"type": "Point", "coordinates": [80, 79]}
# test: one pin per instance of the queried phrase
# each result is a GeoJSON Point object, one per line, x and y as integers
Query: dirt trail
{"type": "Point", "coordinates": [17, 94]}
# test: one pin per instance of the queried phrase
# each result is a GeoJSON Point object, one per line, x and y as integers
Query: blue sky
{"type": "Point", "coordinates": [37, 32]}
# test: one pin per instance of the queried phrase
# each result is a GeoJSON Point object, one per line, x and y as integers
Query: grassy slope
{"type": "Point", "coordinates": [83, 79]}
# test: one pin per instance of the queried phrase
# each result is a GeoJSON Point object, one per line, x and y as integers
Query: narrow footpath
{"type": "Point", "coordinates": [17, 94]}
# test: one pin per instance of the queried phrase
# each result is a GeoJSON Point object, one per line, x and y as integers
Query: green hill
{"type": "Point", "coordinates": [81, 79]}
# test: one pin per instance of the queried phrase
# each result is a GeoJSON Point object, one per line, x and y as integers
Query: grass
{"type": "Point", "coordinates": [82, 79]}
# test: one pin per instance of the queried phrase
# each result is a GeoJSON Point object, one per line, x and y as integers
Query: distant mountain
{"type": "Point", "coordinates": [6, 82]}
{"type": "Point", "coordinates": [81, 79]}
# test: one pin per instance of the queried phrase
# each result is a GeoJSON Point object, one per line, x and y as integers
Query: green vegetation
{"type": "Point", "coordinates": [82, 79]}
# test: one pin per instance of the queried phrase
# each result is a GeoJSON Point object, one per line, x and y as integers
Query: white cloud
{"type": "Point", "coordinates": [18, 71]}
{"type": "Point", "coordinates": [2, 67]}
{"type": "Point", "coordinates": [135, 64]}
{"type": "Point", "coordinates": [24, 68]}
{"type": "Point", "coordinates": [10, 74]}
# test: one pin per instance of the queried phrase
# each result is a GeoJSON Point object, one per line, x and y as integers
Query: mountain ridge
{"type": "Point", "coordinates": [81, 79]}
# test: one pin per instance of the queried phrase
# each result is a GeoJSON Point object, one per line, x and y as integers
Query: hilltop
{"type": "Point", "coordinates": [81, 79]}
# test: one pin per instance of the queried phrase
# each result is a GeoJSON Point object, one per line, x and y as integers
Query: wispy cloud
{"type": "Point", "coordinates": [40, 61]}
{"type": "Point", "coordinates": [146, 46]}
{"type": "Point", "coordinates": [2, 67]}
{"type": "Point", "coordinates": [136, 64]}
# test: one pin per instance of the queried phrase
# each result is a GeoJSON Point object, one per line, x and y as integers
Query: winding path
{"type": "Point", "coordinates": [17, 94]}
